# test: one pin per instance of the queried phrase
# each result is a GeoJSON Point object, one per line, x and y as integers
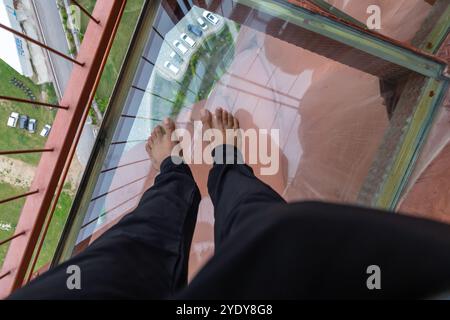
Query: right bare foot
{"type": "Point", "coordinates": [223, 121]}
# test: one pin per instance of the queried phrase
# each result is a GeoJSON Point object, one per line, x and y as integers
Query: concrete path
{"type": "Point", "coordinates": [54, 36]}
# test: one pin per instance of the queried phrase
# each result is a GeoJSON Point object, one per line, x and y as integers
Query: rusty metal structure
{"type": "Point", "coordinates": [61, 144]}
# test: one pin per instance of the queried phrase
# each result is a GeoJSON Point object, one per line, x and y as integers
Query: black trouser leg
{"type": "Point", "coordinates": [327, 251]}
{"type": "Point", "coordinates": [236, 193]}
{"type": "Point", "coordinates": [144, 256]}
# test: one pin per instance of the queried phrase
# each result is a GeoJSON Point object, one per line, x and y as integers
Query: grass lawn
{"type": "Point", "coordinates": [14, 138]}
{"type": "Point", "coordinates": [9, 214]}
{"type": "Point", "coordinates": [55, 229]}
{"type": "Point", "coordinates": [118, 50]}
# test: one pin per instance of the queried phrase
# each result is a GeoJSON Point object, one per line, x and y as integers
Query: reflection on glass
{"type": "Point", "coordinates": [331, 109]}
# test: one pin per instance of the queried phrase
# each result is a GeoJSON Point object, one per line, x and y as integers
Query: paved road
{"type": "Point", "coordinates": [53, 33]}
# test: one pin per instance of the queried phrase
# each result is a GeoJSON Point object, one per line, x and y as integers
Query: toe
{"type": "Point", "coordinates": [217, 121]}
{"type": "Point", "coordinates": [224, 118]}
{"type": "Point", "coordinates": [235, 123]}
{"type": "Point", "coordinates": [153, 134]}
{"type": "Point", "coordinates": [169, 126]}
{"type": "Point", "coordinates": [157, 132]}
{"type": "Point", "coordinates": [206, 117]}
{"type": "Point", "coordinates": [149, 146]}
{"type": "Point", "coordinates": [230, 120]}
{"type": "Point", "coordinates": [219, 112]}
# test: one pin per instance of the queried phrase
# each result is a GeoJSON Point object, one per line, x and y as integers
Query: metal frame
{"type": "Point", "coordinates": [71, 154]}
{"type": "Point", "coordinates": [353, 36]}
{"type": "Point", "coordinates": [82, 199]}
{"type": "Point", "coordinates": [78, 97]}
{"type": "Point", "coordinates": [387, 193]}
{"type": "Point", "coordinates": [32, 102]}
{"type": "Point", "coordinates": [402, 166]}
{"type": "Point", "coordinates": [397, 163]}
{"type": "Point", "coordinates": [324, 5]}
{"type": "Point", "coordinates": [83, 9]}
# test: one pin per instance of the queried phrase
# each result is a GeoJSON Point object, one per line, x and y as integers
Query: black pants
{"type": "Point", "coordinates": [264, 248]}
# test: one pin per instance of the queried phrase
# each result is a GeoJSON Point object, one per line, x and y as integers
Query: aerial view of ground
{"type": "Point", "coordinates": [17, 171]}
{"type": "Point", "coordinates": [118, 49]}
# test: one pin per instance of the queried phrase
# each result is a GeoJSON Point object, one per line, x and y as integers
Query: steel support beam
{"type": "Point", "coordinates": [353, 36]}
{"type": "Point", "coordinates": [78, 96]}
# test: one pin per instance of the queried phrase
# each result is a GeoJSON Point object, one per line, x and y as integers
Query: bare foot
{"type": "Point", "coordinates": [160, 145]}
{"type": "Point", "coordinates": [223, 121]}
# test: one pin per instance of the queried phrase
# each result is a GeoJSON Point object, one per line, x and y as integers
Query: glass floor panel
{"type": "Point", "coordinates": [323, 108]}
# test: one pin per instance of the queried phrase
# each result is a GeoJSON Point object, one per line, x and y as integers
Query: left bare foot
{"type": "Point", "coordinates": [160, 145]}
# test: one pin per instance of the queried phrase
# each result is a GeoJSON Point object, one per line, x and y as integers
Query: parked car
{"type": "Point", "coordinates": [195, 30]}
{"type": "Point", "coordinates": [46, 130]}
{"type": "Point", "coordinates": [12, 120]}
{"type": "Point", "coordinates": [32, 125]}
{"type": "Point", "coordinates": [176, 57]}
{"type": "Point", "coordinates": [191, 42]}
{"type": "Point", "coordinates": [180, 47]}
{"type": "Point", "coordinates": [171, 67]}
{"type": "Point", "coordinates": [23, 121]}
{"type": "Point", "coordinates": [210, 17]}
{"type": "Point", "coordinates": [202, 23]}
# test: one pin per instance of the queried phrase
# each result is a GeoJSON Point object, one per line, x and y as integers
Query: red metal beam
{"type": "Point", "coordinates": [33, 102]}
{"type": "Point", "coordinates": [12, 238]}
{"type": "Point", "coordinates": [72, 152]}
{"type": "Point", "coordinates": [78, 96]}
{"type": "Point", "coordinates": [19, 196]}
{"type": "Point", "coordinates": [9, 152]}
{"type": "Point", "coordinates": [5, 275]}
{"type": "Point", "coordinates": [85, 11]}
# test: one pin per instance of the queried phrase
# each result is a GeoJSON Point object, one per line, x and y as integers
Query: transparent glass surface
{"type": "Point", "coordinates": [323, 115]}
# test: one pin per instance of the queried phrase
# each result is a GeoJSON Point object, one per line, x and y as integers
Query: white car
{"type": "Point", "coordinates": [188, 40]}
{"type": "Point", "coordinates": [176, 57]}
{"type": "Point", "coordinates": [12, 120]}
{"type": "Point", "coordinates": [46, 130]}
{"type": "Point", "coordinates": [180, 47]}
{"type": "Point", "coordinates": [32, 124]}
{"type": "Point", "coordinates": [202, 23]}
{"type": "Point", "coordinates": [210, 17]}
{"type": "Point", "coordinates": [171, 67]}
